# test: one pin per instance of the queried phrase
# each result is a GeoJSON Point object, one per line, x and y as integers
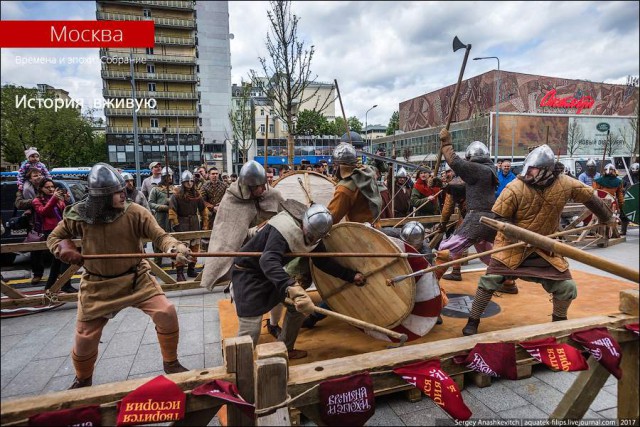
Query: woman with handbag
{"type": "Point", "coordinates": [48, 207]}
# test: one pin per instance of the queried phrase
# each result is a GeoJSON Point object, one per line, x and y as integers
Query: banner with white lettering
{"type": "Point", "coordinates": [347, 401]}
{"type": "Point", "coordinates": [602, 346]}
{"type": "Point", "coordinates": [84, 416]}
{"type": "Point", "coordinates": [435, 383]}
{"type": "Point", "coordinates": [561, 357]}
{"type": "Point", "coordinates": [226, 391]}
{"type": "Point", "coordinates": [159, 400]}
{"type": "Point", "coordinates": [496, 359]}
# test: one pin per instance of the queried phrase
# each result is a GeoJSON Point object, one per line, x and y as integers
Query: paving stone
{"type": "Point", "coordinates": [59, 346]}
{"type": "Point", "coordinates": [400, 405]}
{"type": "Point", "coordinates": [213, 355]}
{"type": "Point", "coordinates": [498, 397]}
{"type": "Point", "coordinates": [112, 369]}
{"type": "Point", "coordinates": [611, 389]}
{"type": "Point", "coordinates": [477, 408]}
{"type": "Point", "coordinates": [604, 401]}
{"type": "Point", "coordinates": [612, 380]}
{"type": "Point", "coordinates": [540, 395]}
{"type": "Point", "coordinates": [561, 381]}
{"type": "Point", "coordinates": [610, 414]}
{"type": "Point", "coordinates": [10, 341]}
{"type": "Point", "coordinates": [66, 368]}
{"type": "Point", "coordinates": [592, 415]}
{"type": "Point", "coordinates": [426, 417]}
{"type": "Point", "coordinates": [59, 383]}
{"type": "Point", "coordinates": [215, 421]}
{"type": "Point", "coordinates": [14, 360]}
{"type": "Point", "coordinates": [188, 321]}
{"type": "Point", "coordinates": [383, 416]}
{"type": "Point", "coordinates": [191, 342]}
{"type": "Point", "coordinates": [147, 359]}
{"type": "Point", "coordinates": [212, 333]}
{"type": "Point", "coordinates": [151, 375]}
{"type": "Point", "coordinates": [39, 373]}
{"type": "Point", "coordinates": [134, 320]}
{"type": "Point", "coordinates": [523, 412]}
{"type": "Point", "coordinates": [150, 335]}
{"type": "Point", "coordinates": [123, 344]}
{"type": "Point", "coordinates": [193, 361]}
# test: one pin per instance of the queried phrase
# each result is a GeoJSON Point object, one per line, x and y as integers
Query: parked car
{"type": "Point", "coordinates": [76, 189]}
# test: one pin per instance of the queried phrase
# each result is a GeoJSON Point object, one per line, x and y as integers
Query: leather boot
{"type": "Point", "coordinates": [471, 328]}
{"type": "Point", "coordinates": [455, 275]}
{"type": "Point", "coordinates": [508, 287]}
{"type": "Point", "coordinates": [555, 318]}
{"type": "Point", "coordinates": [274, 330]}
{"type": "Point", "coordinates": [180, 274]}
{"type": "Point", "coordinates": [623, 228]}
{"type": "Point", "coordinates": [173, 367]}
{"type": "Point", "coordinates": [191, 270]}
{"type": "Point", "coordinates": [81, 383]}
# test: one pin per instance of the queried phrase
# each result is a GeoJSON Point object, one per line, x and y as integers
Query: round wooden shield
{"type": "Point", "coordinates": [319, 187]}
{"type": "Point", "coordinates": [375, 302]}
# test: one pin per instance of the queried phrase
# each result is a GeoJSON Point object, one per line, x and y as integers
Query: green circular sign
{"type": "Point", "coordinates": [603, 127]}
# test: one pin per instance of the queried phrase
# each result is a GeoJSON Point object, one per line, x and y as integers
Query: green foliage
{"type": "Point", "coordinates": [394, 123]}
{"type": "Point", "coordinates": [311, 123]}
{"type": "Point", "coordinates": [63, 137]}
{"type": "Point", "coordinates": [355, 124]}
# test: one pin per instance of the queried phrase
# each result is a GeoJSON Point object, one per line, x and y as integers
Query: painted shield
{"type": "Point", "coordinates": [319, 187]}
{"type": "Point", "coordinates": [630, 207]}
{"type": "Point", "coordinates": [375, 302]}
{"type": "Point", "coordinates": [428, 305]}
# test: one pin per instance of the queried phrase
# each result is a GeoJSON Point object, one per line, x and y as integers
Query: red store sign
{"type": "Point", "coordinates": [550, 100]}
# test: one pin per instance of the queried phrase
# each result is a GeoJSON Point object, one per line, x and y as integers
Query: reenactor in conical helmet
{"type": "Point", "coordinates": [107, 223]}
{"type": "Point", "coordinates": [534, 201]}
{"type": "Point", "coordinates": [186, 207]}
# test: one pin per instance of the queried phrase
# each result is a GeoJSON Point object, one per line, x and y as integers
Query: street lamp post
{"type": "Point", "coordinates": [366, 134]}
{"type": "Point", "coordinates": [495, 144]}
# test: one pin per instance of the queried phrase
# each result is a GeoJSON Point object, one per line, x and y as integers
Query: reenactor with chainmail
{"type": "Point", "coordinates": [185, 209]}
{"type": "Point", "coordinates": [401, 193]}
{"type": "Point", "coordinates": [133, 194]}
{"type": "Point", "coordinates": [108, 224]}
{"type": "Point", "coordinates": [159, 202]}
{"type": "Point", "coordinates": [479, 174]}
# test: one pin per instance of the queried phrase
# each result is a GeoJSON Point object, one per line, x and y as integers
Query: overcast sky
{"type": "Point", "coordinates": [385, 53]}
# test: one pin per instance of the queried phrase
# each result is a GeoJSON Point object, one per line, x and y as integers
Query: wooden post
{"type": "Point", "coordinates": [628, 384]}
{"type": "Point", "coordinates": [271, 374]}
{"type": "Point", "coordinates": [583, 391]}
{"type": "Point", "coordinates": [238, 359]}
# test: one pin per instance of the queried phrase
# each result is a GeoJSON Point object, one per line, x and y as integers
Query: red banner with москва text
{"type": "Point", "coordinates": [77, 34]}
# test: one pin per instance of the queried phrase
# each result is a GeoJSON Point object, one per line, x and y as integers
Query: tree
{"type": "Point", "coordinates": [64, 137]}
{"type": "Point", "coordinates": [575, 138]}
{"type": "Point", "coordinates": [394, 123]}
{"type": "Point", "coordinates": [311, 122]}
{"type": "Point", "coordinates": [242, 123]}
{"type": "Point", "coordinates": [288, 68]}
{"type": "Point", "coordinates": [355, 124]}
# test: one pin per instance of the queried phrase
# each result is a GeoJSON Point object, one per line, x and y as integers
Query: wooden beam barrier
{"type": "Point", "coordinates": [16, 411]}
{"type": "Point", "coordinates": [303, 377]}
{"type": "Point", "coordinates": [238, 359]}
{"type": "Point", "coordinates": [270, 373]}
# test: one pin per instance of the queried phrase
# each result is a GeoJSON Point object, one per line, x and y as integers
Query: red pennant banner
{"type": "Point", "coordinates": [602, 346]}
{"type": "Point", "coordinates": [493, 359]}
{"type": "Point", "coordinates": [435, 383]}
{"type": "Point", "coordinates": [347, 401]}
{"type": "Point", "coordinates": [633, 327]}
{"type": "Point", "coordinates": [561, 357]}
{"type": "Point", "coordinates": [84, 416]}
{"type": "Point", "coordinates": [224, 390]}
{"type": "Point", "coordinates": [156, 401]}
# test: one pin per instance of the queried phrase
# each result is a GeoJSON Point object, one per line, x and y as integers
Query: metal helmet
{"type": "Point", "coordinates": [252, 174]}
{"type": "Point", "coordinates": [402, 173]}
{"type": "Point", "coordinates": [166, 171]}
{"type": "Point", "coordinates": [356, 139]}
{"type": "Point", "coordinates": [104, 180]}
{"type": "Point", "coordinates": [635, 167]}
{"type": "Point", "coordinates": [316, 223]}
{"type": "Point", "coordinates": [186, 176]}
{"type": "Point", "coordinates": [413, 233]}
{"type": "Point", "coordinates": [477, 149]}
{"type": "Point", "coordinates": [540, 157]}
{"type": "Point", "coordinates": [591, 163]}
{"type": "Point", "coordinates": [345, 154]}
{"type": "Point", "coordinates": [127, 176]}
{"type": "Point", "coordinates": [610, 169]}
{"type": "Point", "coordinates": [447, 168]}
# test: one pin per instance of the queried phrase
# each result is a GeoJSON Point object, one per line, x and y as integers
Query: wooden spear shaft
{"type": "Point", "coordinates": [418, 208]}
{"type": "Point", "coordinates": [551, 245]}
{"type": "Point", "coordinates": [256, 254]}
{"type": "Point", "coordinates": [393, 280]}
{"type": "Point", "coordinates": [358, 323]}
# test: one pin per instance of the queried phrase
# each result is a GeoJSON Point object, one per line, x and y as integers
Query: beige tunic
{"type": "Point", "coordinates": [110, 285]}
